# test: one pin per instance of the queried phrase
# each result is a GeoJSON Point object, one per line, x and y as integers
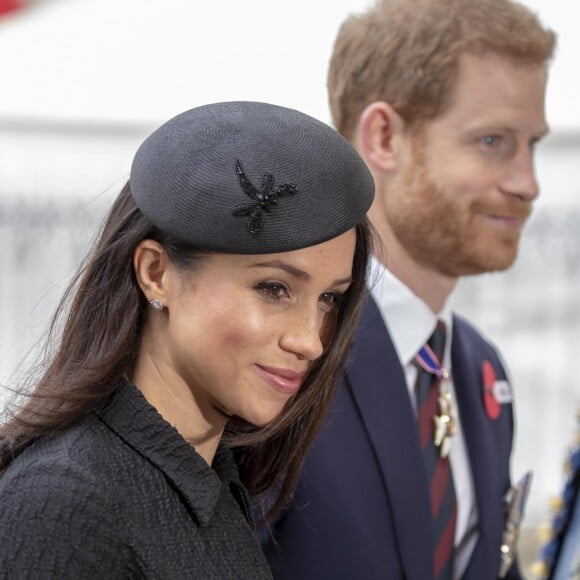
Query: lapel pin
{"type": "Point", "coordinates": [490, 402]}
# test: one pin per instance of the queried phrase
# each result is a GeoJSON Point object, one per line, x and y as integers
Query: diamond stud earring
{"type": "Point", "coordinates": [156, 304]}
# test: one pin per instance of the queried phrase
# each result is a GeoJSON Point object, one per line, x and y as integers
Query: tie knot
{"type": "Point", "coordinates": [436, 341]}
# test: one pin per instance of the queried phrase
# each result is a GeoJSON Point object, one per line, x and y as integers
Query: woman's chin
{"type": "Point", "coordinates": [263, 417]}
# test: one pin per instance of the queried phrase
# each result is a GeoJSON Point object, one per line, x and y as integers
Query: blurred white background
{"type": "Point", "coordinates": [82, 82]}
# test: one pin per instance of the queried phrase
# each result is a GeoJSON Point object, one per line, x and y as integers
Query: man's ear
{"type": "Point", "coordinates": [150, 262]}
{"type": "Point", "coordinates": [378, 135]}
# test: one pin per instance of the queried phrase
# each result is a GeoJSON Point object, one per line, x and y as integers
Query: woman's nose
{"type": "Point", "coordinates": [302, 335]}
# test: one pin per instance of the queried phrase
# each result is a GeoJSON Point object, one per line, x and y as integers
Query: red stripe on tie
{"type": "Point", "coordinates": [444, 548]}
{"type": "Point", "coordinates": [426, 413]}
{"type": "Point", "coordinates": [439, 484]}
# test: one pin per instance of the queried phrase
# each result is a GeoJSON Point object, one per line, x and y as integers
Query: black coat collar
{"type": "Point", "coordinates": [139, 425]}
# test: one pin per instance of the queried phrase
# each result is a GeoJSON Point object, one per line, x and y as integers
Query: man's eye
{"type": "Point", "coordinates": [501, 144]}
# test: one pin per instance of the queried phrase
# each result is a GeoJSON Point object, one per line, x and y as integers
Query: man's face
{"type": "Point", "coordinates": [467, 185]}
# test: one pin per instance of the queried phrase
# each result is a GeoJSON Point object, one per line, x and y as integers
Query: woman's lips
{"type": "Point", "coordinates": [283, 380]}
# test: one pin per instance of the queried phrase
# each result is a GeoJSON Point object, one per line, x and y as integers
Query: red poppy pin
{"type": "Point", "coordinates": [490, 402]}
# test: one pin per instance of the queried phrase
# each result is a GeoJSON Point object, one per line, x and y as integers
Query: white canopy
{"type": "Point", "coordinates": [141, 61]}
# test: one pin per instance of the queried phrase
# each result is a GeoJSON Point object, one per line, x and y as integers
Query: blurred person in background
{"type": "Point", "coordinates": [444, 100]}
{"type": "Point", "coordinates": [213, 314]}
{"type": "Point", "coordinates": [560, 554]}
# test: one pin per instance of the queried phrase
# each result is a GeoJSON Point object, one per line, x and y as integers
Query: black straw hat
{"type": "Point", "coordinates": [250, 178]}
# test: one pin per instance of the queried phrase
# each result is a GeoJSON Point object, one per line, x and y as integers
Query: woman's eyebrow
{"type": "Point", "coordinates": [292, 270]}
{"type": "Point", "coordinates": [296, 272]}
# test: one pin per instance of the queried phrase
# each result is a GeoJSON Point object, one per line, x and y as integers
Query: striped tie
{"type": "Point", "coordinates": [443, 503]}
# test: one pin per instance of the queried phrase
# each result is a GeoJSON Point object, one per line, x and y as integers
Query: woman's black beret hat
{"type": "Point", "coordinates": [250, 178]}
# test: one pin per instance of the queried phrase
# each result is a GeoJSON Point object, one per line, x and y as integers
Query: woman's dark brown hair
{"type": "Point", "coordinates": [94, 339]}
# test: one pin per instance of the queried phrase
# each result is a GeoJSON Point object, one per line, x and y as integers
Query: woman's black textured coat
{"type": "Point", "coordinates": [123, 495]}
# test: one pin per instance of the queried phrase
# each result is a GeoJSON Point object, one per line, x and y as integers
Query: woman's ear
{"type": "Point", "coordinates": [379, 130]}
{"type": "Point", "coordinates": [150, 262]}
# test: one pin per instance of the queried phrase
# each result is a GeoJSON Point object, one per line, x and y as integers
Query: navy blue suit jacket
{"type": "Point", "coordinates": [362, 509]}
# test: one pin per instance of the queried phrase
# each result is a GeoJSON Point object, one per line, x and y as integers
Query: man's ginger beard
{"type": "Point", "coordinates": [447, 233]}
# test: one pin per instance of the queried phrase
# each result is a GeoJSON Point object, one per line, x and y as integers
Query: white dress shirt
{"type": "Point", "coordinates": [411, 322]}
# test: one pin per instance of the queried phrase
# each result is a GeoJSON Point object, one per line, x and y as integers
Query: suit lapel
{"type": "Point", "coordinates": [380, 393]}
{"type": "Point", "coordinates": [468, 388]}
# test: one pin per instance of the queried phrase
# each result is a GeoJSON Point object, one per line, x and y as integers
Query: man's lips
{"type": "Point", "coordinates": [286, 381]}
{"type": "Point", "coordinates": [510, 221]}
{"type": "Point", "coordinates": [507, 221]}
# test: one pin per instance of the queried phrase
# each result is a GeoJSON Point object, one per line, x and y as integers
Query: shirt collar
{"type": "Point", "coordinates": [409, 320]}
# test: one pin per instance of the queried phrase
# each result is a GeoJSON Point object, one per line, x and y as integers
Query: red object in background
{"type": "Point", "coordinates": [7, 6]}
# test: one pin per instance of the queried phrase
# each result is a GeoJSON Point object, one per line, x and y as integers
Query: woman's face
{"type": "Point", "coordinates": [242, 331]}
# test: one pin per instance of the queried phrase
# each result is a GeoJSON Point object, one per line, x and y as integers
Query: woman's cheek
{"type": "Point", "coordinates": [247, 328]}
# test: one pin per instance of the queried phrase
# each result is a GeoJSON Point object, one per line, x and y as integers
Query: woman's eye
{"type": "Point", "coordinates": [273, 291]}
{"type": "Point", "coordinates": [331, 301]}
